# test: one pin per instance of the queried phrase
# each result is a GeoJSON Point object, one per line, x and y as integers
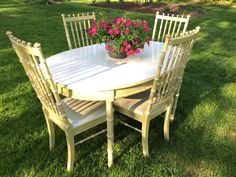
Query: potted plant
{"type": "Point", "coordinates": [123, 36]}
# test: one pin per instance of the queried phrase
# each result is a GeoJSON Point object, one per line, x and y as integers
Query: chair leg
{"type": "Point", "coordinates": [71, 151]}
{"type": "Point", "coordinates": [174, 106]}
{"type": "Point", "coordinates": [167, 122]}
{"type": "Point", "coordinates": [51, 132]}
{"type": "Point", "coordinates": [145, 131]}
{"type": "Point", "coordinates": [172, 115]}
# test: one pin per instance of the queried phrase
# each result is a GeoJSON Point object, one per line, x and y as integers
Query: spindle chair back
{"type": "Point", "coordinates": [168, 25]}
{"type": "Point", "coordinates": [169, 74]}
{"type": "Point", "coordinates": [65, 113]}
{"type": "Point", "coordinates": [76, 29]}
{"type": "Point", "coordinates": [30, 58]}
{"type": "Point", "coordinates": [147, 105]}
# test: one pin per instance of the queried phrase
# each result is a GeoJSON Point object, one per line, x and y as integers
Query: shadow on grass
{"type": "Point", "coordinates": [27, 148]}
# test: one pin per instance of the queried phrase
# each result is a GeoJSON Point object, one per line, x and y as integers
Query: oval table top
{"type": "Point", "coordinates": [91, 69]}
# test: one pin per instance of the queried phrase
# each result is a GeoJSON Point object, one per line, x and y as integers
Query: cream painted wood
{"type": "Point", "coordinates": [168, 24]}
{"type": "Point", "coordinates": [89, 73]}
{"type": "Point", "coordinates": [172, 25]}
{"type": "Point", "coordinates": [78, 69]}
{"type": "Point", "coordinates": [75, 29]}
{"type": "Point", "coordinates": [110, 131]}
{"type": "Point", "coordinates": [72, 116]}
{"type": "Point", "coordinates": [147, 105]}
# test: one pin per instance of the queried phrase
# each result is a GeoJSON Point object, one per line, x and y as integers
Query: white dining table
{"type": "Point", "coordinates": [88, 73]}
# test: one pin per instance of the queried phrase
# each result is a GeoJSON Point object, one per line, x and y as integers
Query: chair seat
{"type": "Point", "coordinates": [81, 112]}
{"type": "Point", "coordinates": [136, 103]}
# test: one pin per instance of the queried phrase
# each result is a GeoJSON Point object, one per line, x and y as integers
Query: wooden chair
{"type": "Point", "coordinates": [75, 29]}
{"type": "Point", "coordinates": [171, 25]}
{"type": "Point", "coordinates": [72, 116]}
{"type": "Point", "coordinates": [147, 105]}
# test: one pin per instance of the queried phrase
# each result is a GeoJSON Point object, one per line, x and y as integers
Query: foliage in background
{"type": "Point", "coordinates": [171, 1]}
{"type": "Point", "coordinates": [139, 1]}
{"type": "Point", "coordinates": [37, 2]}
{"type": "Point", "coordinates": [44, 2]}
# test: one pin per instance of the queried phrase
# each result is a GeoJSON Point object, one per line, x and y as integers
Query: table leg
{"type": "Point", "coordinates": [110, 131]}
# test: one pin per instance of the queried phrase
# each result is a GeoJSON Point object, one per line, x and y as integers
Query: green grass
{"type": "Point", "coordinates": [203, 137]}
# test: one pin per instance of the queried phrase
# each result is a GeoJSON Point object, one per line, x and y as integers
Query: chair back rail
{"type": "Point", "coordinates": [168, 78]}
{"type": "Point", "coordinates": [31, 57]}
{"type": "Point", "coordinates": [68, 114]}
{"type": "Point", "coordinates": [171, 25]}
{"type": "Point", "coordinates": [76, 29]}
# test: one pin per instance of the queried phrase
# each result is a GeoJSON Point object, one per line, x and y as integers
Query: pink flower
{"type": "Point", "coordinates": [107, 47]}
{"type": "Point", "coordinates": [145, 26]}
{"type": "Point", "coordinates": [112, 50]}
{"type": "Point", "coordinates": [136, 25]}
{"type": "Point", "coordinates": [110, 31]}
{"type": "Point", "coordinates": [94, 23]}
{"type": "Point", "coordinates": [120, 20]}
{"type": "Point", "coordinates": [125, 43]}
{"type": "Point", "coordinates": [108, 24]}
{"type": "Point", "coordinates": [116, 32]}
{"type": "Point", "coordinates": [142, 46]}
{"type": "Point", "coordinates": [128, 23]}
{"type": "Point", "coordinates": [93, 30]}
{"type": "Point", "coordinates": [126, 31]}
{"type": "Point", "coordinates": [137, 51]}
{"type": "Point", "coordinates": [146, 29]}
{"type": "Point", "coordinates": [130, 52]}
{"type": "Point", "coordinates": [121, 50]}
{"type": "Point", "coordinates": [135, 43]}
{"type": "Point", "coordinates": [148, 40]}
{"type": "Point", "coordinates": [128, 46]}
{"type": "Point", "coordinates": [103, 24]}
{"type": "Point", "coordinates": [115, 19]}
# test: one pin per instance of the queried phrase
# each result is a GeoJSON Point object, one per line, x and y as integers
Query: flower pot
{"type": "Point", "coordinates": [118, 55]}
{"type": "Point", "coordinates": [113, 55]}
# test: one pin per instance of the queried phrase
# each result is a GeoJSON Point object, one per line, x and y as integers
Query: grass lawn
{"type": "Point", "coordinates": [203, 137]}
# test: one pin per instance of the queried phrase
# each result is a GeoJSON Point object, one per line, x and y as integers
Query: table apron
{"type": "Point", "coordinates": [104, 95]}
{"type": "Point", "coordinates": [124, 92]}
